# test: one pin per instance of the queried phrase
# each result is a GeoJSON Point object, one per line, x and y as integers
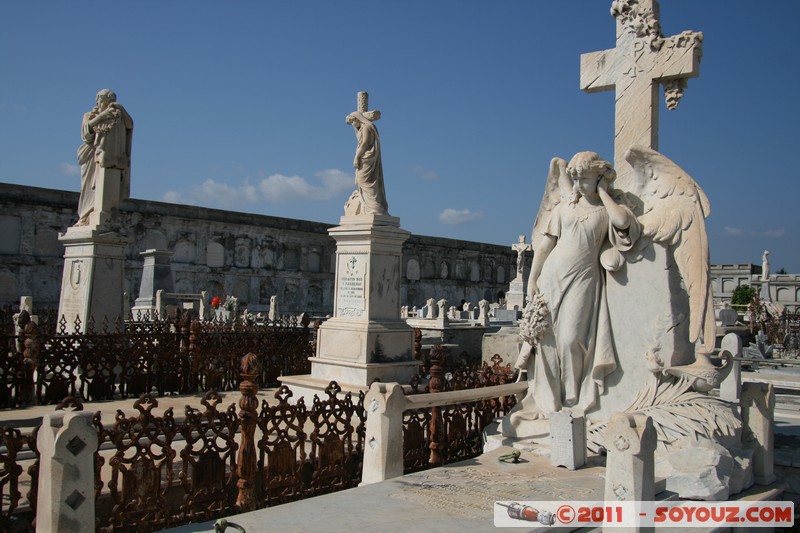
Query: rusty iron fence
{"type": "Point", "coordinates": [127, 359]}
{"type": "Point", "coordinates": [452, 433]}
{"type": "Point", "coordinates": [155, 469]}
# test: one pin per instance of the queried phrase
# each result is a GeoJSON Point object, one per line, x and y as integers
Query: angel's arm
{"type": "Point", "coordinates": [540, 255]}
{"type": "Point", "coordinates": [616, 214]}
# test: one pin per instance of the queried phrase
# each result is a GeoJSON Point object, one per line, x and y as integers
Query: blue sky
{"type": "Point", "coordinates": [241, 106]}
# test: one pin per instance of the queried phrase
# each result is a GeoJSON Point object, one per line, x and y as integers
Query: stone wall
{"type": "Point", "coordinates": [783, 288]}
{"type": "Point", "coordinates": [227, 253]}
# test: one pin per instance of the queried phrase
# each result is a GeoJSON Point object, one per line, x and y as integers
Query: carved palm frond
{"type": "Point", "coordinates": [678, 413]}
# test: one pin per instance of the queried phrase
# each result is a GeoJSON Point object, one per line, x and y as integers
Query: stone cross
{"type": "Point", "coordinates": [521, 247]}
{"type": "Point", "coordinates": [642, 59]}
{"type": "Point", "coordinates": [362, 105]}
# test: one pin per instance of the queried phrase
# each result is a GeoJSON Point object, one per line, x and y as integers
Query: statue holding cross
{"type": "Point", "coordinates": [642, 60]}
{"type": "Point", "coordinates": [370, 196]}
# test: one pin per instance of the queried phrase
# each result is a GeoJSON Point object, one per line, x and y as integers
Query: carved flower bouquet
{"type": "Point", "coordinates": [534, 321]}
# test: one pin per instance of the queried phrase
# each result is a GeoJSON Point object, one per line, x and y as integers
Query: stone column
{"type": "Point", "coordinates": [758, 424]}
{"type": "Point", "coordinates": [366, 338]}
{"type": "Point", "coordinates": [93, 282]}
{"type": "Point", "coordinates": [156, 275]}
{"type": "Point", "coordinates": [383, 453]}
{"type": "Point", "coordinates": [731, 387]}
{"type": "Point", "coordinates": [630, 441]}
{"type": "Point", "coordinates": [66, 442]}
{"type": "Point", "coordinates": [567, 440]}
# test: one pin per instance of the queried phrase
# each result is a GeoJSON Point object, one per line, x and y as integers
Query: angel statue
{"type": "Point", "coordinates": [580, 225]}
{"type": "Point", "coordinates": [585, 235]}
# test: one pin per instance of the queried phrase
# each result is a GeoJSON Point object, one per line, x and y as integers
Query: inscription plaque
{"type": "Point", "coordinates": [351, 273]}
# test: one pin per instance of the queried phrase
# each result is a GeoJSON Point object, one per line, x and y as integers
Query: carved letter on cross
{"type": "Point", "coordinates": [642, 59]}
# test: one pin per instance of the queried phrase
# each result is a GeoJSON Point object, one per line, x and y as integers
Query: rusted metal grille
{"type": "Point", "coordinates": [459, 428]}
{"type": "Point", "coordinates": [156, 469]}
{"type": "Point", "coordinates": [127, 359]}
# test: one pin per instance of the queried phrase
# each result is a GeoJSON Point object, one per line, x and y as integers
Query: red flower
{"type": "Point", "coordinates": [215, 302]}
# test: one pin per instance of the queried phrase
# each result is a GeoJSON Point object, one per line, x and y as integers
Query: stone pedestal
{"type": "Point", "coordinates": [630, 464]}
{"type": "Point", "coordinates": [93, 282]}
{"type": "Point", "coordinates": [515, 296]}
{"type": "Point", "coordinates": [567, 440]}
{"type": "Point", "coordinates": [383, 455]}
{"type": "Point", "coordinates": [67, 442]}
{"type": "Point", "coordinates": [758, 421]}
{"type": "Point", "coordinates": [731, 387]}
{"type": "Point", "coordinates": [366, 339]}
{"type": "Point", "coordinates": [156, 275]}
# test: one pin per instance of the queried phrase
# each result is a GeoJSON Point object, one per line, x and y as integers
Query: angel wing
{"type": "Point", "coordinates": [673, 214]}
{"type": "Point", "coordinates": [553, 191]}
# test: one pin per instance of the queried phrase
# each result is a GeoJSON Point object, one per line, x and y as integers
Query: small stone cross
{"type": "Point", "coordinates": [642, 59]}
{"type": "Point", "coordinates": [521, 247]}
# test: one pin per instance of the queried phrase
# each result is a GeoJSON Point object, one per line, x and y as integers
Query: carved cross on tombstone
{"type": "Point", "coordinates": [642, 59]}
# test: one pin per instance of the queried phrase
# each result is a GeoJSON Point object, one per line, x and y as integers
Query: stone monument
{"type": "Point", "coordinates": [156, 275]}
{"type": "Point", "coordinates": [105, 159]}
{"type": "Point", "coordinates": [621, 312]}
{"type": "Point", "coordinates": [365, 339]}
{"type": "Point", "coordinates": [92, 284]}
{"type": "Point", "coordinates": [515, 297]}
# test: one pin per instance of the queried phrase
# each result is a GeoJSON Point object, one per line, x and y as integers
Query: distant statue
{"type": "Point", "coordinates": [765, 266]}
{"type": "Point", "coordinates": [273, 308]}
{"type": "Point", "coordinates": [105, 155]}
{"type": "Point", "coordinates": [370, 196]}
{"type": "Point", "coordinates": [520, 247]}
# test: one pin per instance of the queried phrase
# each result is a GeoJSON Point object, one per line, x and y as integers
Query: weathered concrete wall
{"type": "Point", "coordinates": [226, 253]}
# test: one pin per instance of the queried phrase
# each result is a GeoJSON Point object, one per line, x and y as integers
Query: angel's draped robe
{"type": "Point", "coordinates": [106, 146]}
{"type": "Point", "coordinates": [369, 177]}
{"type": "Point", "coordinates": [577, 352]}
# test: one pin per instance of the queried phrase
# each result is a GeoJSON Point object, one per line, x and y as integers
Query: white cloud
{"type": "Point", "coordinates": [280, 188]}
{"type": "Point", "coordinates": [454, 217]}
{"type": "Point", "coordinates": [424, 174]}
{"type": "Point", "coordinates": [70, 170]}
{"type": "Point", "coordinates": [274, 189]}
{"type": "Point", "coordinates": [740, 232]}
{"type": "Point", "coordinates": [174, 197]}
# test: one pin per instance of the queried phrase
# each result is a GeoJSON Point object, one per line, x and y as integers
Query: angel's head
{"type": "Point", "coordinates": [586, 170]}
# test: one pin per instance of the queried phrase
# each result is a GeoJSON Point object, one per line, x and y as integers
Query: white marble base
{"type": "Point", "coordinates": [515, 296]}
{"type": "Point", "coordinates": [366, 339]}
{"type": "Point", "coordinates": [93, 282]}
